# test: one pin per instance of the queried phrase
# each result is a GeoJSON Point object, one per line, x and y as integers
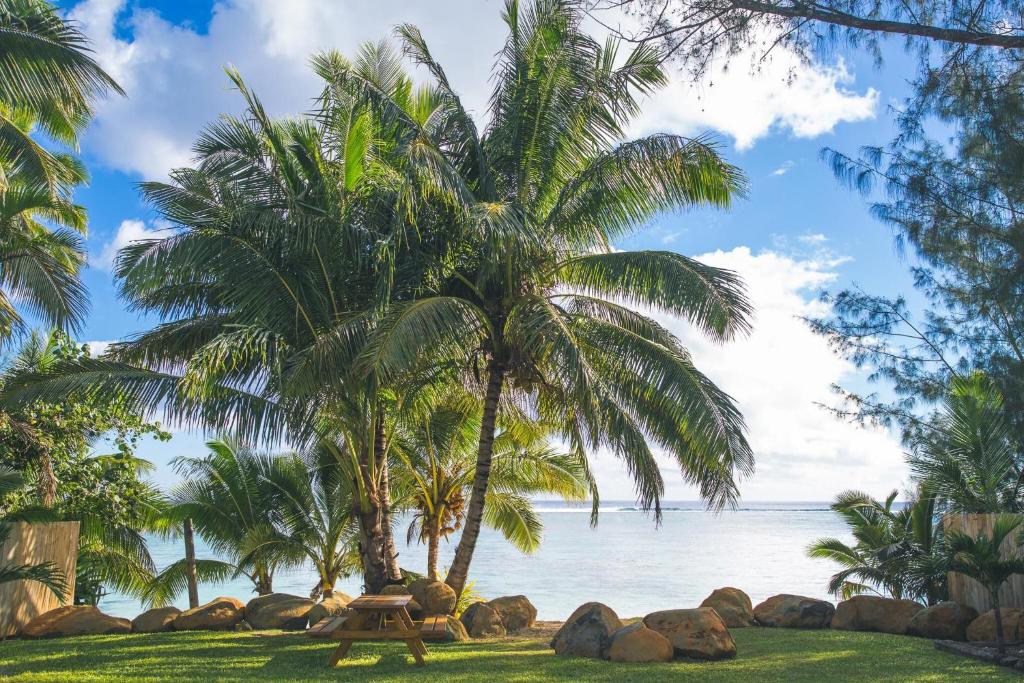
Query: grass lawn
{"type": "Point", "coordinates": [764, 655]}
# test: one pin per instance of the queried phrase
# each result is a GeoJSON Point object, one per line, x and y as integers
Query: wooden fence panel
{"type": "Point", "coordinates": [967, 591]}
{"type": "Point", "coordinates": [55, 542]}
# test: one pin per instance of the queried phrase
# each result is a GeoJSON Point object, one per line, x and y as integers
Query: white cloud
{"type": "Point", "coordinates": [99, 347]}
{"type": "Point", "coordinates": [175, 81]}
{"type": "Point", "coordinates": [783, 169]}
{"type": "Point", "coordinates": [778, 376]}
{"type": "Point", "coordinates": [129, 231]}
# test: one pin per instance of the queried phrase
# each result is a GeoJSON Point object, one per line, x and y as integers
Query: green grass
{"type": "Point", "coordinates": [764, 655]}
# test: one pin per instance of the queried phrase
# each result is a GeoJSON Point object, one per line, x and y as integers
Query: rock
{"type": "Point", "coordinates": [873, 613]}
{"type": "Point", "coordinates": [243, 626]}
{"type": "Point", "coordinates": [944, 621]}
{"type": "Point", "coordinates": [278, 610]}
{"type": "Point", "coordinates": [794, 611]}
{"type": "Point", "coordinates": [516, 612]}
{"type": "Point", "coordinates": [637, 643]}
{"type": "Point", "coordinates": [587, 632]}
{"type": "Point", "coordinates": [733, 605]}
{"type": "Point", "coordinates": [220, 614]}
{"type": "Point", "coordinates": [434, 597]}
{"type": "Point", "coordinates": [74, 620]}
{"type": "Point", "coordinates": [330, 607]}
{"type": "Point", "coordinates": [984, 627]}
{"type": "Point", "coordinates": [155, 620]}
{"type": "Point", "coordinates": [454, 631]}
{"type": "Point", "coordinates": [414, 607]}
{"type": "Point", "coordinates": [696, 633]}
{"type": "Point", "coordinates": [482, 621]}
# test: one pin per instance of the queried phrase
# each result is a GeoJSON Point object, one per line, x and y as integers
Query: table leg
{"type": "Point", "coordinates": [340, 653]}
{"type": "Point", "coordinates": [408, 623]}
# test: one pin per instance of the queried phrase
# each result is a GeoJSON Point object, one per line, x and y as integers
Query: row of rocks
{"type": "Point", "coordinates": [594, 630]}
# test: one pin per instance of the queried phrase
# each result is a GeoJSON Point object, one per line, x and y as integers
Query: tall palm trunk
{"type": "Point", "coordinates": [47, 483]}
{"type": "Point", "coordinates": [459, 572]}
{"type": "Point", "coordinates": [391, 568]}
{"type": "Point", "coordinates": [433, 548]}
{"type": "Point", "coordinates": [190, 565]}
{"type": "Point", "coordinates": [371, 527]}
{"type": "Point", "coordinates": [1000, 641]}
{"type": "Point", "coordinates": [264, 582]}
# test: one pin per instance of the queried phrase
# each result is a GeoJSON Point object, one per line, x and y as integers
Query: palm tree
{"type": "Point", "coordinates": [538, 304]}
{"type": "Point", "coordinates": [438, 454]}
{"type": "Point", "coordinates": [47, 79]}
{"type": "Point", "coordinates": [967, 454]}
{"type": "Point", "coordinates": [896, 550]}
{"type": "Point", "coordinates": [982, 559]}
{"type": "Point", "coordinates": [225, 496]}
{"type": "Point", "coordinates": [309, 497]}
{"type": "Point", "coordinates": [45, 573]}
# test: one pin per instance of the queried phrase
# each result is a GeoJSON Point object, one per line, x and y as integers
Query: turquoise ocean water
{"type": "Point", "coordinates": [626, 562]}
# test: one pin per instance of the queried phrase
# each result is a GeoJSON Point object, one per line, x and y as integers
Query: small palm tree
{"type": "Point", "coordinates": [438, 454]}
{"type": "Point", "coordinates": [983, 559]}
{"type": "Point", "coordinates": [45, 573]}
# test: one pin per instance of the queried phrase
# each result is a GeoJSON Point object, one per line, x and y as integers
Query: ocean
{"type": "Point", "coordinates": [626, 561]}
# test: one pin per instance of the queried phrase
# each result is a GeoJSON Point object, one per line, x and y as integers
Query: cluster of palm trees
{"type": "Point", "coordinates": [432, 316]}
{"type": "Point", "coordinates": [964, 460]}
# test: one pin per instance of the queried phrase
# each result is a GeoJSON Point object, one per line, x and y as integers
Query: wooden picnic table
{"type": "Point", "coordinates": [379, 617]}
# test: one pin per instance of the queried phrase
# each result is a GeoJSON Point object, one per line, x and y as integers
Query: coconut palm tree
{"type": "Point", "coordinates": [437, 451]}
{"type": "Point", "coordinates": [45, 573]}
{"type": "Point", "coordinates": [968, 454]}
{"type": "Point", "coordinates": [896, 551]}
{"type": "Point", "coordinates": [982, 558]}
{"type": "Point", "coordinates": [539, 306]}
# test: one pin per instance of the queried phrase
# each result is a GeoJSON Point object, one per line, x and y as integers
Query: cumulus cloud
{"type": "Point", "coordinates": [782, 170]}
{"type": "Point", "coordinates": [175, 82]}
{"type": "Point", "coordinates": [129, 231]}
{"type": "Point", "coordinates": [779, 375]}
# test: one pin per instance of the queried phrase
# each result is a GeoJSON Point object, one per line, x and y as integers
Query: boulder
{"type": "Point", "coordinates": [637, 643]}
{"type": "Point", "coordinates": [984, 627]}
{"type": "Point", "coordinates": [434, 597]}
{"type": "Point", "coordinates": [696, 633]}
{"type": "Point", "coordinates": [74, 620]}
{"type": "Point", "coordinates": [794, 611]}
{"type": "Point", "coordinates": [278, 610]}
{"type": "Point", "coordinates": [330, 607]}
{"type": "Point", "coordinates": [242, 627]}
{"type": "Point", "coordinates": [587, 632]}
{"type": "Point", "coordinates": [414, 607]}
{"type": "Point", "coordinates": [220, 614]}
{"type": "Point", "coordinates": [482, 621]}
{"type": "Point", "coordinates": [516, 612]}
{"type": "Point", "coordinates": [944, 621]}
{"type": "Point", "coordinates": [454, 631]}
{"type": "Point", "coordinates": [733, 605]}
{"type": "Point", "coordinates": [155, 620]}
{"type": "Point", "coordinates": [874, 613]}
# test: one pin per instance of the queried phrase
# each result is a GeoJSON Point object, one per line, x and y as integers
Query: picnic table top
{"type": "Point", "coordinates": [379, 602]}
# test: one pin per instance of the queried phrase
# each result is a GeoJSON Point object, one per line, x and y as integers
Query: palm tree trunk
{"type": "Point", "coordinates": [371, 528]}
{"type": "Point", "coordinates": [190, 565]}
{"type": "Point", "coordinates": [459, 572]}
{"type": "Point", "coordinates": [1000, 642]}
{"type": "Point", "coordinates": [391, 567]}
{"type": "Point", "coordinates": [47, 480]}
{"type": "Point", "coordinates": [433, 546]}
{"type": "Point", "coordinates": [264, 582]}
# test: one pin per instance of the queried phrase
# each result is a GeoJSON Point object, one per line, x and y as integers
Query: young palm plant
{"type": "Point", "coordinates": [982, 558]}
{"type": "Point", "coordinates": [538, 306]}
{"type": "Point", "coordinates": [438, 453]}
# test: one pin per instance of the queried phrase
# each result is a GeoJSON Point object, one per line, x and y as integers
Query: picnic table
{"type": "Point", "coordinates": [377, 617]}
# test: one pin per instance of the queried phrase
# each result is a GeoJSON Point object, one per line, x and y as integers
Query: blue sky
{"type": "Point", "coordinates": [798, 230]}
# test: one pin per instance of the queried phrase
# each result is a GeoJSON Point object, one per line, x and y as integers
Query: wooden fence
{"type": "Point", "coordinates": [967, 591]}
{"type": "Point", "coordinates": [20, 601]}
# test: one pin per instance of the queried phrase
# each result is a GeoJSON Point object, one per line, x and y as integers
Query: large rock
{"type": "Point", "coordinates": [637, 643]}
{"type": "Point", "coordinates": [74, 620]}
{"type": "Point", "coordinates": [413, 607]}
{"type": "Point", "coordinates": [733, 605]}
{"type": "Point", "coordinates": [220, 614]}
{"type": "Point", "coordinates": [696, 633]}
{"type": "Point", "coordinates": [330, 607]}
{"type": "Point", "coordinates": [984, 627]}
{"type": "Point", "coordinates": [587, 632]}
{"type": "Point", "coordinates": [155, 620]}
{"type": "Point", "coordinates": [278, 610]}
{"type": "Point", "coordinates": [482, 621]}
{"type": "Point", "coordinates": [944, 621]}
{"type": "Point", "coordinates": [434, 597]}
{"type": "Point", "coordinates": [874, 613]}
{"type": "Point", "coordinates": [516, 612]}
{"type": "Point", "coordinates": [794, 611]}
{"type": "Point", "coordinates": [454, 630]}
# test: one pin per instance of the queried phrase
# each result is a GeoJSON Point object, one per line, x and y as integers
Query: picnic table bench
{"type": "Point", "coordinates": [379, 617]}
